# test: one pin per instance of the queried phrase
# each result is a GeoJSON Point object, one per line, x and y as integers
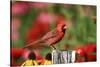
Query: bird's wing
{"type": "Point", "coordinates": [49, 35]}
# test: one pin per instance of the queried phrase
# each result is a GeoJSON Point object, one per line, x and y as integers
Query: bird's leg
{"type": "Point", "coordinates": [53, 47]}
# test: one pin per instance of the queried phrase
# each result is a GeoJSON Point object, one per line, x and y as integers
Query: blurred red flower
{"type": "Point", "coordinates": [36, 32]}
{"type": "Point", "coordinates": [80, 51]}
{"type": "Point", "coordinates": [90, 50]}
{"type": "Point", "coordinates": [19, 7]}
{"type": "Point", "coordinates": [90, 47]}
{"type": "Point", "coordinates": [16, 54]}
{"type": "Point", "coordinates": [80, 54]}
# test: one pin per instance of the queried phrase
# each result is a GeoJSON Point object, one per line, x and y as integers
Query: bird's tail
{"type": "Point", "coordinates": [35, 44]}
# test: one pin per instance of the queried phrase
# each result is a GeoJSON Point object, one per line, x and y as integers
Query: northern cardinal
{"type": "Point", "coordinates": [50, 38]}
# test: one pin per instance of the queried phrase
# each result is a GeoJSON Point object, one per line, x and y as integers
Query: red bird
{"type": "Point", "coordinates": [50, 38]}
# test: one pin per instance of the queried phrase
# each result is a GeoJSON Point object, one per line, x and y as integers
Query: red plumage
{"type": "Point", "coordinates": [50, 38]}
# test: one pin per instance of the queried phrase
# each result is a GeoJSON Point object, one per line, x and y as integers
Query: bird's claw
{"type": "Point", "coordinates": [53, 47]}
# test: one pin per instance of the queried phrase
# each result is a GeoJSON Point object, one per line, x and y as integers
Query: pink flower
{"type": "Point", "coordinates": [38, 4]}
{"type": "Point", "coordinates": [25, 54]}
{"type": "Point", "coordinates": [15, 36]}
{"type": "Point", "coordinates": [15, 23]}
{"type": "Point", "coordinates": [15, 27]}
{"type": "Point", "coordinates": [19, 7]}
{"type": "Point", "coordinates": [45, 17]}
{"type": "Point", "coordinates": [38, 55]}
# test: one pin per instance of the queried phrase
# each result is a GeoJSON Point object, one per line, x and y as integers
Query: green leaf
{"type": "Point", "coordinates": [45, 50]}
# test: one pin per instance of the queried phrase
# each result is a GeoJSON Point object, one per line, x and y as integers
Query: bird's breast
{"type": "Point", "coordinates": [55, 39]}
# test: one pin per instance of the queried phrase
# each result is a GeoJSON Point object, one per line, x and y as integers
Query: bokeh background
{"type": "Point", "coordinates": [31, 20]}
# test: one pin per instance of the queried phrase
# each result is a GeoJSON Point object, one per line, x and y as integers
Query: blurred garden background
{"type": "Point", "coordinates": [32, 20]}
